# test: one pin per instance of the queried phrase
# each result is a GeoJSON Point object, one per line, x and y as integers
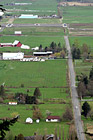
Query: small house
{"type": "Point", "coordinates": [53, 119]}
{"type": "Point", "coordinates": [18, 32]}
{"type": "Point", "coordinates": [29, 120]}
{"type": "Point", "coordinates": [12, 103]}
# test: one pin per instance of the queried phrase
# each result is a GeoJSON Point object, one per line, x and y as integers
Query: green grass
{"type": "Point", "coordinates": [49, 74]}
{"type": "Point", "coordinates": [31, 41]}
{"type": "Point", "coordinates": [35, 31]}
{"type": "Point", "coordinates": [82, 67]}
{"type": "Point", "coordinates": [30, 129]}
{"type": "Point", "coordinates": [33, 21]}
{"type": "Point", "coordinates": [81, 40]}
{"type": "Point", "coordinates": [77, 14]}
{"type": "Point", "coordinates": [38, 7]}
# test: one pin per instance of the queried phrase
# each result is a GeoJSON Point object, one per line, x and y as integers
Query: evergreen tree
{"type": "Point", "coordinates": [91, 74]}
{"type": "Point", "coordinates": [86, 108]}
{"type": "Point", "coordinates": [37, 92]}
{"type": "Point", "coordinates": [4, 126]}
{"type": "Point", "coordinates": [2, 91]}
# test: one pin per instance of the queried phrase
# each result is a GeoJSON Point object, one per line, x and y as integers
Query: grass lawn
{"type": "Point", "coordinates": [49, 74]}
{"type": "Point", "coordinates": [77, 14]}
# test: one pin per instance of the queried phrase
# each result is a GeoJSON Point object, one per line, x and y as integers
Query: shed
{"type": "Point", "coordinates": [42, 53]}
{"type": "Point", "coordinates": [12, 103]}
{"type": "Point", "coordinates": [29, 120]}
{"type": "Point", "coordinates": [37, 121]}
{"type": "Point", "coordinates": [18, 32]}
{"type": "Point", "coordinates": [53, 119]}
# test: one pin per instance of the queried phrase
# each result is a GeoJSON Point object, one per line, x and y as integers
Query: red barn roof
{"type": "Point", "coordinates": [53, 117]}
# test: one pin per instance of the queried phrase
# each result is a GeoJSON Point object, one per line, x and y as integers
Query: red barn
{"type": "Point", "coordinates": [17, 43]}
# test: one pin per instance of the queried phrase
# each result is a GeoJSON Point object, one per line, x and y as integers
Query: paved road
{"type": "Point", "coordinates": [75, 101]}
{"type": "Point", "coordinates": [34, 25]}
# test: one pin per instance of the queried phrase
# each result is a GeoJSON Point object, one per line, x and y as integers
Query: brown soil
{"type": "Point", "coordinates": [75, 4]}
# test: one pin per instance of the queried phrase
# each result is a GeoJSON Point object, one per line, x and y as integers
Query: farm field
{"type": "Point", "coordinates": [82, 67]}
{"type": "Point", "coordinates": [30, 129]}
{"type": "Point", "coordinates": [35, 31]}
{"type": "Point", "coordinates": [49, 74]}
{"type": "Point", "coordinates": [31, 41]}
{"type": "Point", "coordinates": [37, 7]}
{"type": "Point", "coordinates": [33, 21]}
{"type": "Point", "coordinates": [46, 93]}
{"type": "Point", "coordinates": [77, 14]}
{"type": "Point", "coordinates": [81, 40]}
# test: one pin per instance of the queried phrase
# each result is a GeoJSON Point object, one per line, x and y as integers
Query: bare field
{"type": "Point", "coordinates": [76, 4]}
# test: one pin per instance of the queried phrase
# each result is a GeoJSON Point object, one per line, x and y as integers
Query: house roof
{"type": "Point", "coordinates": [53, 117]}
{"type": "Point", "coordinates": [42, 53]}
{"type": "Point", "coordinates": [15, 42]}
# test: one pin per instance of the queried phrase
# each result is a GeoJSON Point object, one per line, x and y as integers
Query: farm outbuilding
{"type": "Point", "coordinates": [17, 43]}
{"type": "Point", "coordinates": [42, 53]}
{"type": "Point", "coordinates": [28, 16]}
{"type": "Point", "coordinates": [53, 119]}
{"type": "Point", "coordinates": [13, 56]}
{"type": "Point", "coordinates": [29, 120]}
{"type": "Point", "coordinates": [6, 45]}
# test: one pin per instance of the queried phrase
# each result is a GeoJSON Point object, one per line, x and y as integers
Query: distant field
{"type": "Point", "coordinates": [32, 41]}
{"type": "Point", "coordinates": [35, 74]}
{"type": "Point", "coordinates": [33, 21]}
{"type": "Point", "coordinates": [36, 31]}
{"type": "Point", "coordinates": [37, 7]}
{"type": "Point", "coordinates": [77, 14]}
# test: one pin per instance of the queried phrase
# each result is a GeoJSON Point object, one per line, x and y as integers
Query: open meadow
{"type": "Point", "coordinates": [39, 20]}
{"type": "Point", "coordinates": [35, 74]}
{"type": "Point", "coordinates": [35, 31]}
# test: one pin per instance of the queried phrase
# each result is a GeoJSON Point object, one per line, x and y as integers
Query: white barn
{"type": "Point", "coordinates": [13, 56]}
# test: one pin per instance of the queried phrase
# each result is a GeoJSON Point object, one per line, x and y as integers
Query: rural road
{"type": "Point", "coordinates": [75, 101]}
{"type": "Point", "coordinates": [34, 25]}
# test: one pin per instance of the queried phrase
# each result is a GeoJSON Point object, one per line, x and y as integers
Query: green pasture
{"type": "Point", "coordinates": [33, 21]}
{"type": "Point", "coordinates": [32, 41]}
{"type": "Point", "coordinates": [35, 31]}
{"type": "Point", "coordinates": [77, 14]}
{"type": "Point", "coordinates": [82, 67]}
{"type": "Point", "coordinates": [49, 74]}
{"type": "Point", "coordinates": [81, 40]}
{"type": "Point", "coordinates": [46, 93]}
{"type": "Point", "coordinates": [25, 111]}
